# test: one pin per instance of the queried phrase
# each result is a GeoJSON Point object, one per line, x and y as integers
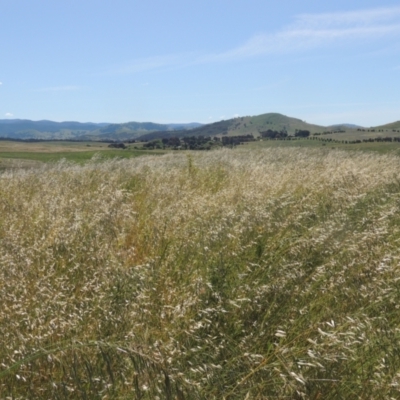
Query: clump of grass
{"type": "Point", "coordinates": [229, 274]}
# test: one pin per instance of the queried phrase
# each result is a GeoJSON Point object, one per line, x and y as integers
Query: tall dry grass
{"type": "Point", "coordinates": [228, 274]}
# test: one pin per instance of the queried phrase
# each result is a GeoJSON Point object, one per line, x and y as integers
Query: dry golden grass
{"type": "Point", "coordinates": [228, 274]}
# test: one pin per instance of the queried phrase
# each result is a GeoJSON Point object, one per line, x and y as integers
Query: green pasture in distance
{"type": "Point", "coordinates": [79, 157]}
{"type": "Point", "coordinates": [380, 147]}
{"type": "Point", "coordinates": [83, 152]}
{"type": "Point", "coordinates": [75, 152]}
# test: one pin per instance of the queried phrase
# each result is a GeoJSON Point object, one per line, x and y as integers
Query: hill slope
{"type": "Point", "coordinates": [27, 129]}
{"type": "Point", "coordinates": [133, 130]}
{"type": "Point", "coordinates": [244, 126]}
{"type": "Point", "coordinates": [392, 125]}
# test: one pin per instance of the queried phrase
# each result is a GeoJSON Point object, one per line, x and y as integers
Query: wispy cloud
{"type": "Point", "coordinates": [306, 32]}
{"type": "Point", "coordinates": [59, 89]}
{"type": "Point", "coordinates": [1, 83]}
{"type": "Point", "coordinates": [314, 30]}
{"type": "Point", "coordinates": [367, 17]}
{"type": "Point", "coordinates": [8, 115]}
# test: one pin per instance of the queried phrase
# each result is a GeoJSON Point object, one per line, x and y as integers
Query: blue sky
{"type": "Point", "coordinates": [183, 61]}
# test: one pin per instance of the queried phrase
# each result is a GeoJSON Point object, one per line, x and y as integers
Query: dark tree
{"type": "Point", "coordinates": [302, 133]}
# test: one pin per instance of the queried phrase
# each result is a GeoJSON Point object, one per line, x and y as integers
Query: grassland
{"type": "Point", "coordinates": [27, 154]}
{"type": "Point", "coordinates": [378, 147]}
{"type": "Point", "coordinates": [253, 273]}
{"type": "Point", "coordinates": [354, 134]}
{"type": "Point", "coordinates": [56, 150]}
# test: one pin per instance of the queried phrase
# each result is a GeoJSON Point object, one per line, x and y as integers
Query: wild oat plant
{"type": "Point", "coordinates": [222, 275]}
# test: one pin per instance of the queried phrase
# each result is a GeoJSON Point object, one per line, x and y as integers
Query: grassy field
{"type": "Point", "coordinates": [26, 155]}
{"type": "Point", "coordinates": [379, 147]}
{"type": "Point", "coordinates": [354, 134]}
{"type": "Point", "coordinates": [244, 274]}
{"type": "Point", "coordinates": [54, 151]}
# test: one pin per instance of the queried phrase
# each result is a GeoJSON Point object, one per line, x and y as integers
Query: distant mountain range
{"type": "Point", "coordinates": [50, 130]}
{"type": "Point", "coordinates": [27, 129]}
{"type": "Point", "coordinates": [345, 126]}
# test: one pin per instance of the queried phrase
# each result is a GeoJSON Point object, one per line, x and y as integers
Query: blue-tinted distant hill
{"type": "Point", "coordinates": [27, 129]}
{"type": "Point", "coordinates": [190, 125]}
{"type": "Point", "coordinates": [344, 126]}
{"type": "Point", "coordinates": [133, 130]}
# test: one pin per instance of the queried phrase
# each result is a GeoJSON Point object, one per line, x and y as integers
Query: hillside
{"type": "Point", "coordinates": [278, 122]}
{"type": "Point", "coordinates": [392, 125]}
{"type": "Point", "coordinates": [45, 130]}
{"type": "Point", "coordinates": [244, 126]}
{"type": "Point", "coordinates": [133, 130]}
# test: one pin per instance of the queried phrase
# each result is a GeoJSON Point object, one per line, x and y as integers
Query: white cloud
{"type": "Point", "coordinates": [350, 18]}
{"type": "Point", "coordinates": [313, 30]}
{"type": "Point", "coordinates": [1, 83]}
{"type": "Point", "coordinates": [59, 89]}
{"type": "Point", "coordinates": [308, 31]}
{"type": "Point", "coordinates": [8, 115]}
